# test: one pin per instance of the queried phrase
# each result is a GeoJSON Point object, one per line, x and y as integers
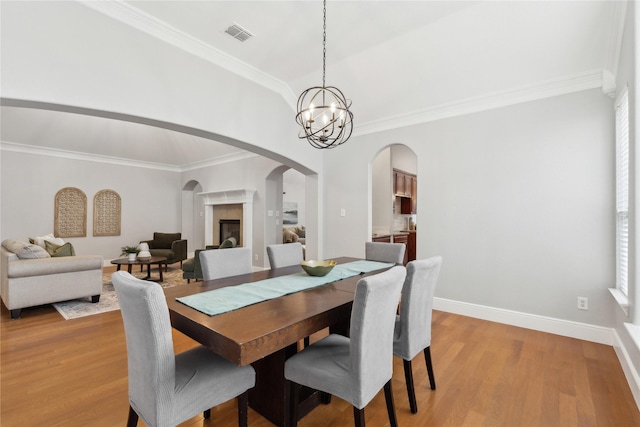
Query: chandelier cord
{"type": "Point", "coordinates": [324, 43]}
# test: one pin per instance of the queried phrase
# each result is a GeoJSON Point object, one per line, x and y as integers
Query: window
{"type": "Point", "coordinates": [622, 193]}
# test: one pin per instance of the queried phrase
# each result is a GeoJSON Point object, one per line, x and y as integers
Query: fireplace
{"type": "Point", "coordinates": [226, 198]}
{"type": "Point", "coordinates": [230, 228]}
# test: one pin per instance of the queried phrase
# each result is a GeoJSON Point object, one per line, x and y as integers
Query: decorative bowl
{"type": "Point", "coordinates": [318, 268]}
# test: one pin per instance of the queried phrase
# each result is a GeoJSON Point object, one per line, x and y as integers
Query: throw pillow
{"type": "Point", "coordinates": [301, 231]}
{"type": "Point", "coordinates": [49, 237]}
{"type": "Point", "coordinates": [289, 236]}
{"type": "Point", "coordinates": [24, 250]}
{"type": "Point", "coordinates": [228, 243]}
{"type": "Point", "coordinates": [59, 250]}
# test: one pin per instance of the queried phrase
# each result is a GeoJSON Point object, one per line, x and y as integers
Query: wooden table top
{"type": "Point", "coordinates": [248, 334]}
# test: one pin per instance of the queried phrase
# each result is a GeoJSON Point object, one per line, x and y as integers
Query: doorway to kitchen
{"type": "Point", "coordinates": [394, 201]}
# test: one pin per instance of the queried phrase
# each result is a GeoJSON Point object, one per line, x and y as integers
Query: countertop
{"type": "Point", "coordinates": [394, 233]}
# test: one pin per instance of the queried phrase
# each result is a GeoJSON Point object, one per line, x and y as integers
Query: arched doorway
{"type": "Point", "coordinates": [394, 182]}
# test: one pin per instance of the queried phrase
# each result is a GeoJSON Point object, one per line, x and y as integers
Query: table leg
{"type": "Point", "coordinates": [270, 397]}
{"type": "Point", "coordinates": [160, 270]}
{"type": "Point", "coordinates": [148, 271]}
{"type": "Point", "coordinates": [118, 268]}
{"type": "Point", "coordinates": [129, 268]}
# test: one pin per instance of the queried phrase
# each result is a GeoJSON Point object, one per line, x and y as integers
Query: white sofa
{"type": "Point", "coordinates": [45, 280]}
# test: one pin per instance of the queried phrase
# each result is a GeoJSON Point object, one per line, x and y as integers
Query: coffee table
{"type": "Point", "coordinates": [148, 262]}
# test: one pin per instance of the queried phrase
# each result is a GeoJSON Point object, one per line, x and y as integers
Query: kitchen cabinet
{"type": "Point", "coordinates": [405, 186]}
{"type": "Point", "coordinates": [411, 246]}
{"type": "Point", "coordinates": [401, 183]}
{"type": "Point", "coordinates": [404, 239]}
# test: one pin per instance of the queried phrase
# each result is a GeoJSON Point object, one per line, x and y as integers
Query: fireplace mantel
{"type": "Point", "coordinates": [229, 197]}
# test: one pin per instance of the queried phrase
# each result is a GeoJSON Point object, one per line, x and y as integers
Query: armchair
{"type": "Point", "coordinates": [192, 268]}
{"type": "Point", "coordinates": [170, 245]}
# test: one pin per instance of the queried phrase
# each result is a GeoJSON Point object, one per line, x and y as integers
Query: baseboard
{"type": "Point", "coordinates": [551, 325]}
{"type": "Point", "coordinates": [630, 372]}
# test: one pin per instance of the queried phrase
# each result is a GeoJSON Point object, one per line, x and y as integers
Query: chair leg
{"type": "Point", "coordinates": [207, 414]}
{"type": "Point", "coordinates": [408, 377]}
{"type": "Point", "coordinates": [358, 417]}
{"type": "Point", "coordinates": [132, 421]}
{"type": "Point", "coordinates": [388, 396]}
{"type": "Point", "coordinates": [427, 358]}
{"type": "Point", "coordinates": [15, 313]}
{"type": "Point", "coordinates": [243, 409]}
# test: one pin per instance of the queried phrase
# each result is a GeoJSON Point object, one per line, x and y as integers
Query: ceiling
{"type": "Point", "coordinates": [400, 62]}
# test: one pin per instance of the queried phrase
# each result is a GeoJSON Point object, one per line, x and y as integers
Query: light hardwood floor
{"type": "Point", "coordinates": [58, 372]}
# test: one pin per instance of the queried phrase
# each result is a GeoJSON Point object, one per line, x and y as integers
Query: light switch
{"type": "Point", "coordinates": [343, 212]}
{"type": "Point", "coordinates": [269, 213]}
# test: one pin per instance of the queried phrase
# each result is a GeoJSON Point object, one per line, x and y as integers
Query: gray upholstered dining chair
{"type": "Point", "coordinates": [385, 252]}
{"type": "Point", "coordinates": [355, 368]}
{"type": "Point", "coordinates": [413, 325]}
{"type": "Point", "coordinates": [229, 262]}
{"type": "Point", "coordinates": [284, 255]}
{"type": "Point", "coordinates": [166, 389]}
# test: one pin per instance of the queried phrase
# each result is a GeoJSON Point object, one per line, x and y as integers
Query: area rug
{"type": "Point", "coordinates": [83, 307]}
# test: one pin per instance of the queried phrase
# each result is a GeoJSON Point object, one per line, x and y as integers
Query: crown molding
{"type": "Point", "coordinates": [614, 46]}
{"type": "Point", "coordinates": [136, 18]}
{"type": "Point", "coordinates": [530, 92]}
{"type": "Point", "coordinates": [601, 78]}
{"type": "Point", "coordinates": [74, 155]}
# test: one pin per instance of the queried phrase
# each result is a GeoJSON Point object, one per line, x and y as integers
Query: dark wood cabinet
{"type": "Point", "coordinates": [382, 239]}
{"type": "Point", "coordinates": [405, 186]}
{"type": "Point", "coordinates": [411, 246]}
{"type": "Point", "coordinates": [404, 239]}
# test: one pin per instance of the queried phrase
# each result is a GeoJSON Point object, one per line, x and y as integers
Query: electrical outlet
{"type": "Point", "coordinates": [583, 303]}
{"type": "Point", "coordinates": [256, 257]}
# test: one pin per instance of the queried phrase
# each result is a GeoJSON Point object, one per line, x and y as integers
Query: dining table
{"type": "Point", "coordinates": [266, 334]}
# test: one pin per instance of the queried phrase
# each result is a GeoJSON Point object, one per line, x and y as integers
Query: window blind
{"type": "Point", "coordinates": [622, 193]}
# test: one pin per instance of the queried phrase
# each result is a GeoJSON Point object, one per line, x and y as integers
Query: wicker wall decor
{"type": "Point", "coordinates": [70, 217]}
{"type": "Point", "coordinates": [106, 213]}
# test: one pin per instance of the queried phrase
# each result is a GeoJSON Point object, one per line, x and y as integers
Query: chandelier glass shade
{"type": "Point", "coordinates": [323, 111]}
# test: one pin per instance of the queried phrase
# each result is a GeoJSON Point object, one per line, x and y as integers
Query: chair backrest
{"type": "Point", "coordinates": [224, 263]}
{"type": "Point", "coordinates": [164, 240]}
{"type": "Point", "coordinates": [372, 322]}
{"type": "Point", "coordinates": [413, 331]}
{"type": "Point", "coordinates": [385, 252]}
{"type": "Point", "coordinates": [150, 355]}
{"type": "Point", "coordinates": [284, 255]}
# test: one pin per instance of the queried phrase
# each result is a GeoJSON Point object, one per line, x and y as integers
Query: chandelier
{"type": "Point", "coordinates": [323, 112]}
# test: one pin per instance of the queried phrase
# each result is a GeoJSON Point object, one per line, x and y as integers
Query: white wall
{"type": "Point", "coordinates": [381, 193]}
{"type": "Point", "coordinates": [150, 199]}
{"type": "Point", "coordinates": [517, 200]}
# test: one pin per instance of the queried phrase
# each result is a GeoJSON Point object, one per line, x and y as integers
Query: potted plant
{"type": "Point", "coordinates": [130, 251]}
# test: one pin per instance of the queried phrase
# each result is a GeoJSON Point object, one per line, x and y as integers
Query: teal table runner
{"type": "Point", "coordinates": [230, 298]}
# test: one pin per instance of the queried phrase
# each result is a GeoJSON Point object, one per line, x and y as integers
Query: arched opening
{"type": "Point", "coordinates": [394, 181]}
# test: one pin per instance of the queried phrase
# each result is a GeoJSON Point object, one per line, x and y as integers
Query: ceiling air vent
{"type": "Point", "coordinates": [237, 32]}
